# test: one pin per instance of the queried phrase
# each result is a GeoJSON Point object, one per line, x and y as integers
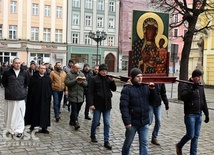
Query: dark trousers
{"type": "Point", "coordinates": [76, 107]}
{"type": "Point", "coordinates": [65, 100]}
{"type": "Point", "coordinates": [86, 108]}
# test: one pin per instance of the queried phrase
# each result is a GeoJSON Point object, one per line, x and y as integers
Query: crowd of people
{"type": "Point", "coordinates": [30, 90]}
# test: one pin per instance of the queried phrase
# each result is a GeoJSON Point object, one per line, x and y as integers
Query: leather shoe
{"type": "Point", "coordinates": [94, 139]}
{"type": "Point", "coordinates": [57, 119]}
{"type": "Point", "coordinates": [178, 149]}
{"type": "Point", "coordinates": [87, 117]}
{"type": "Point", "coordinates": [43, 131]}
{"type": "Point", "coordinates": [76, 126]}
{"type": "Point", "coordinates": [71, 123]}
{"type": "Point", "coordinates": [155, 142]}
{"type": "Point", "coordinates": [107, 145]}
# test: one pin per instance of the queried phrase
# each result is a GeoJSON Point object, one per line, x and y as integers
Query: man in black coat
{"type": "Point", "coordinates": [15, 81]}
{"type": "Point", "coordinates": [38, 100]}
{"type": "Point", "coordinates": [134, 107]}
{"type": "Point", "coordinates": [99, 98]}
{"type": "Point", "coordinates": [194, 100]}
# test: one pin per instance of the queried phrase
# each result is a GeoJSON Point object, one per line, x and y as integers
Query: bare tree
{"type": "Point", "coordinates": [190, 15]}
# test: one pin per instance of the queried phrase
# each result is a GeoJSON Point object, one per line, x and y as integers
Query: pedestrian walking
{"type": "Point", "coordinates": [67, 69]}
{"type": "Point", "coordinates": [134, 107]}
{"type": "Point", "coordinates": [58, 86]}
{"type": "Point", "coordinates": [15, 81]}
{"type": "Point", "coordinates": [88, 74]}
{"type": "Point", "coordinates": [99, 98]}
{"type": "Point", "coordinates": [76, 82]}
{"type": "Point", "coordinates": [39, 100]}
{"type": "Point", "coordinates": [155, 109]}
{"type": "Point", "coordinates": [194, 100]}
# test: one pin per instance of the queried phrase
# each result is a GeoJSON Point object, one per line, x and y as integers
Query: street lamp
{"type": "Point", "coordinates": [98, 37]}
{"type": "Point", "coordinates": [27, 50]}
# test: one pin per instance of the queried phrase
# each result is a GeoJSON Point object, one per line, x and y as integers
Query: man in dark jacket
{"type": "Point", "coordinates": [156, 110]}
{"type": "Point", "coordinates": [194, 103]}
{"type": "Point", "coordinates": [88, 74]}
{"type": "Point", "coordinates": [38, 100]}
{"type": "Point", "coordinates": [15, 81]}
{"type": "Point", "coordinates": [134, 107]}
{"type": "Point", "coordinates": [99, 98]}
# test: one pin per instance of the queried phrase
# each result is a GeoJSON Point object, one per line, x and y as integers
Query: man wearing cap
{"type": "Point", "coordinates": [99, 98]}
{"type": "Point", "coordinates": [194, 100]}
{"type": "Point", "coordinates": [134, 107]}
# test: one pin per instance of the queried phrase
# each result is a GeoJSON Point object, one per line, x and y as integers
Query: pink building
{"type": "Point", "coordinates": [125, 28]}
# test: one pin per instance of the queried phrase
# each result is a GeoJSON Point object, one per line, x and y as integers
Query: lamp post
{"type": "Point", "coordinates": [27, 50]}
{"type": "Point", "coordinates": [98, 37]}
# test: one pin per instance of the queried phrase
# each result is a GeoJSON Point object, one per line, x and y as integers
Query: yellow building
{"type": "Point", "coordinates": [33, 30]}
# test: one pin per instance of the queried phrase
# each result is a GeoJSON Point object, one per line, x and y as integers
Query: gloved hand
{"type": "Point", "coordinates": [207, 119]}
{"type": "Point", "coordinates": [167, 107]}
{"type": "Point", "coordinates": [195, 85]}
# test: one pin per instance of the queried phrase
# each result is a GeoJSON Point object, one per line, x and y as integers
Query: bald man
{"type": "Point", "coordinates": [76, 82]}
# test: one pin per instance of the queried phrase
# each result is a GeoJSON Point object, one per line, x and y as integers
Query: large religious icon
{"type": "Point", "coordinates": [149, 42]}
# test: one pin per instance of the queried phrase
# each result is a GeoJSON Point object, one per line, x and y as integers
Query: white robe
{"type": "Point", "coordinates": [14, 116]}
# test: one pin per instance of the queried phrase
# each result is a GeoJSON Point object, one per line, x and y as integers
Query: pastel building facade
{"type": "Point", "coordinates": [93, 15]}
{"type": "Point", "coordinates": [33, 30]}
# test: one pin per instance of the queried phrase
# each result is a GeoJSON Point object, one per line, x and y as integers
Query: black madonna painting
{"type": "Point", "coordinates": [149, 42]}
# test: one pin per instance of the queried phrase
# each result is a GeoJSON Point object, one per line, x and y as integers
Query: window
{"type": "Point", "coordinates": [47, 35]}
{"type": "Point", "coordinates": [175, 33]}
{"type": "Point", "coordinates": [88, 4]}
{"type": "Point", "coordinates": [87, 40]}
{"type": "Point", "coordinates": [75, 20]}
{"type": "Point", "coordinates": [0, 31]}
{"type": "Point", "coordinates": [99, 22]}
{"type": "Point", "coordinates": [75, 38]}
{"type": "Point", "coordinates": [12, 31]}
{"type": "Point", "coordinates": [111, 7]}
{"type": "Point", "coordinates": [76, 3]}
{"type": "Point", "coordinates": [34, 33]}
{"type": "Point", "coordinates": [47, 10]}
{"type": "Point", "coordinates": [100, 5]}
{"type": "Point", "coordinates": [176, 18]}
{"type": "Point", "coordinates": [58, 36]}
{"type": "Point", "coordinates": [87, 20]}
{"type": "Point", "coordinates": [111, 23]}
{"type": "Point", "coordinates": [111, 41]}
{"type": "Point", "coordinates": [13, 6]}
{"type": "Point", "coordinates": [58, 12]}
{"type": "Point", "coordinates": [35, 9]}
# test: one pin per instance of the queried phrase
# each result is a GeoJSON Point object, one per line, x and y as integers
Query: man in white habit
{"type": "Point", "coordinates": [15, 81]}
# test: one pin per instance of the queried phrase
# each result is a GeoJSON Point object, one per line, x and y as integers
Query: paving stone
{"type": "Point", "coordinates": [64, 140]}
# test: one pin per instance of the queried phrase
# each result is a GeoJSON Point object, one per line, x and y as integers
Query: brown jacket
{"type": "Point", "coordinates": [58, 80]}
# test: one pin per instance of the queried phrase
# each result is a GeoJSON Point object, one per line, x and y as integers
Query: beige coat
{"type": "Point", "coordinates": [58, 80]}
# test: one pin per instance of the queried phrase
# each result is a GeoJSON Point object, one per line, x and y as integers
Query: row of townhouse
{"type": "Point", "coordinates": [58, 30]}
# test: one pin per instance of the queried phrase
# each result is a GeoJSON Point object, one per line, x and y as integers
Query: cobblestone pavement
{"type": "Point", "coordinates": [64, 140]}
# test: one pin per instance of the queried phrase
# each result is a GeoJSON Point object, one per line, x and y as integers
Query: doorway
{"type": "Point", "coordinates": [110, 62]}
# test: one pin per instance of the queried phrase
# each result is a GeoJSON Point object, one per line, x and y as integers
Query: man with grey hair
{"type": "Point", "coordinates": [76, 82]}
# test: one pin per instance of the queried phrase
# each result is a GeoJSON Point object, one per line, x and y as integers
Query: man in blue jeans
{"type": "Point", "coordinates": [134, 107]}
{"type": "Point", "coordinates": [156, 110]}
{"type": "Point", "coordinates": [58, 86]}
{"type": "Point", "coordinates": [194, 103]}
{"type": "Point", "coordinates": [99, 99]}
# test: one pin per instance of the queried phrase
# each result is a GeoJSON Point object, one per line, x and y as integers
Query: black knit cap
{"type": "Point", "coordinates": [196, 73]}
{"type": "Point", "coordinates": [103, 67]}
{"type": "Point", "coordinates": [134, 72]}
{"type": "Point", "coordinates": [86, 65]}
